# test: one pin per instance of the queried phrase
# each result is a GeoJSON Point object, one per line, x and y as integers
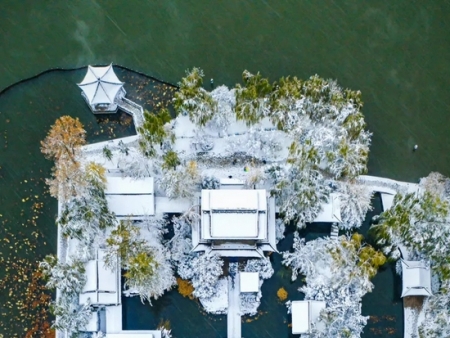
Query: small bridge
{"type": "Point", "coordinates": [133, 109]}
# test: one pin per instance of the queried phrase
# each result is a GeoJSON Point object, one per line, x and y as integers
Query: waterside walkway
{"type": "Point", "coordinates": [233, 315]}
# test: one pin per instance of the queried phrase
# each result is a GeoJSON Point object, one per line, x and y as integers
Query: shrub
{"type": "Point", "coordinates": [185, 288]}
{"type": "Point", "coordinates": [210, 182]}
{"type": "Point", "coordinates": [282, 294]}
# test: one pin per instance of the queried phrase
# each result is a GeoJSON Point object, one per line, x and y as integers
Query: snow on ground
{"type": "Point", "coordinates": [411, 322]}
{"type": "Point", "coordinates": [249, 302]}
{"type": "Point", "coordinates": [218, 304]}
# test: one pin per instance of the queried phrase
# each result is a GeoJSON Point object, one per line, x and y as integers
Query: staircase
{"type": "Point", "coordinates": [334, 231]}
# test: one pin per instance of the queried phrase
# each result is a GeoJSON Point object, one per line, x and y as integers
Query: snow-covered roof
{"type": "Point", "coordinates": [416, 277]}
{"type": "Point", "coordinates": [249, 281]}
{"type": "Point", "coordinates": [234, 214]}
{"type": "Point", "coordinates": [331, 211]}
{"type": "Point", "coordinates": [305, 312]}
{"type": "Point", "coordinates": [128, 197]}
{"type": "Point", "coordinates": [231, 183]}
{"type": "Point", "coordinates": [100, 85]}
{"type": "Point", "coordinates": [102, 285]}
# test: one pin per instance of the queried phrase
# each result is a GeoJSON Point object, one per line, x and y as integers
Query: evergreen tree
{"type": "Point", "coordinates": [153, 131]}
{"type": "Point", "coordinates": [69, 278]}
{"type": "Point", "coordinates": [252, 99]}
{"type": "Point", "coordinates": [193, 99]}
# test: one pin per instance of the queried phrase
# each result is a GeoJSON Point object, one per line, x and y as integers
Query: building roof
{"type": "Point", "coordinates": [131, 198]}
{"type": "Point", "coordinates": [102, 285]}
{"type": "Point", "coordinates": [234, 214]}
{"type": "Point", "coordinates": [305, 312]}
{"type": "Point", "coordinates": [100, 85]}
{"type": "Point", "coordinates": [249, 281]}
{"type": "Point", "coordinates": [235, 223]}
{"type": "Point", "coordinates": [331, 211]}
{"type": "Point", "coordinates": [416, 278]}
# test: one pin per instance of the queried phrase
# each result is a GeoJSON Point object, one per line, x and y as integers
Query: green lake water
{"type": "Point", "coordinates": [396, 53]}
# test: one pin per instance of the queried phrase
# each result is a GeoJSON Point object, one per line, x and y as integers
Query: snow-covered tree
{"type": "Point", "coordinates": [148, 273]}
{"type": "Point", "coordinates": [123, 243]}
{"type": "Point", "coordinates": [85, 217]}
{"type": "Point", "coordinates": [180, 244]}
{"type": "Point", "coordinates": [283, 100]}
{"type": "Point", "coordinates": [193, 99]}
{"type": "Point", "coordinates": [300, 188]}
{"type": "Point", "coordinates": [204, 271]}
{"type": "Point", "coordinates": [154, 132]}
{"type": "Point", "coordinates": [351, 157]}
{"type": "Point", "coordinates": [170, 160]}
{"type": "Point", "coordinates": [340, 320]}
{"type": "Point", "coordinates": [64, 139]}
{"type": "Point", "coordinates": [420, 223]}
{"type": "Point", "coordinates": [436, 323]}
{"type": "Point", "coordinates": [137, 165]}
{"type": "Point", "coordinates": [143, 256]}
{"type": "Point", "coordinates": [224, 114]}
{"type": "Point", "coordinates": [355, 201]}
{"type": "Point", "coordinates": [337, 272]}
{"type": "Point", "coordinates": [63, 144]}
{"type": "Point", "coordinates": [252, 99]}
{"type": "Point", "coordinates": [68, 277]}
{"type": "Point", "coordinates": [69, 316]}
{"type": "Point", "coordinates": [180, 182]}
{"type": "Point", "coordinates": [436, 184]}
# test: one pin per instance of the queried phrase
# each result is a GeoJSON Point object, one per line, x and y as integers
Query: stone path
{"type": "Point", "coordinates": [233, 316]}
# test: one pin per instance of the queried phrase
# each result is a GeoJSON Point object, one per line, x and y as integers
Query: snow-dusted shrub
{"type": "Point", "coordinates": [205, 270]}
{"type": "Point", "coordinates": [261, 265]}
{"type": "Point", "coordinates": [210, 182]}
{"type": "Point", "coordinates": [165, 333]}
{"type": "Point", "coordinates": [68, 277]}
{"type": "Point", "coordinates": [218, 303]}
{"type": "Point", "coordinates": [280, 228]}
{"type": "Point", "coordinates": [70, 317]}
{"type": "Point", "coordinates": [202, 142]}
{"type": "Point", "coordinates": [249, 303]}
{"type": "Point", "coordinates": [355, 201]}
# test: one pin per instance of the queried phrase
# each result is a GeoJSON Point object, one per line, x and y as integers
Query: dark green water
{"type": "Point", "coordinates": [396, 53]}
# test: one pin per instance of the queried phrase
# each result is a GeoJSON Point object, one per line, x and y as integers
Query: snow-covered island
{"type": "Point", "coordinates": [201, 196]}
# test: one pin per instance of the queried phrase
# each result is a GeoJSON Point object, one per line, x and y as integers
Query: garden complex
{"type": "Point", "coordinates": [202, 195]}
